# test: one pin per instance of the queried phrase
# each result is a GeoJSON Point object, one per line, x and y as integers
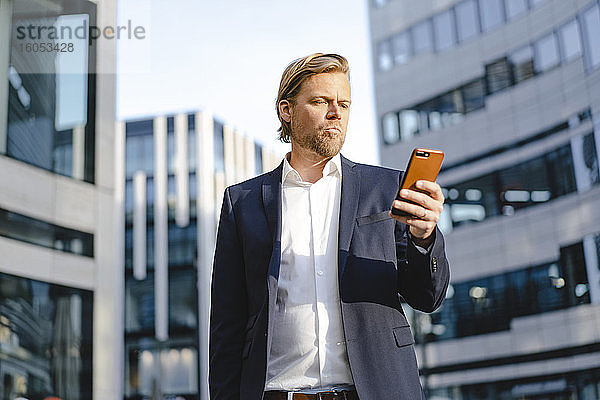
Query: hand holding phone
{"type": "Point", "coordinates": [424, 164]}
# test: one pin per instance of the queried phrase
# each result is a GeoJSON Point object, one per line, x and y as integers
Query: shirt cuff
{"type": "Point", "coordinates": [421, 249]}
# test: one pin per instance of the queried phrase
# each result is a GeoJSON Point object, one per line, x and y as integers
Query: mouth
{"type": "Point", "coordinates": [333, 129]}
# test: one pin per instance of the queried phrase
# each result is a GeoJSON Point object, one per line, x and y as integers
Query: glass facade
{"type": "Point", "coordinates": [507, 190]}
{"type": "Point", "coordinates": [578, 385]}
{"type": "Point", "coordinates": [470, 18]}
{"type": "Point", "coordinates": [46, 340]}
{"type": "Point", "coordinates": [51, 93]}
{"type": "Point", "coordinates": [34, 231]}
{"type": "Point", "coordinates": [451, 107]}
{"type": "Point", "coordinates": [489, 303]}
{"type": "Point", "coordinates": [173, 363]}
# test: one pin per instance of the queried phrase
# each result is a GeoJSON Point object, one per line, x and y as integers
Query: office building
{"type": "Point", "coordinates": [60, 284]}
{"type": "Point", "coordinates": [176, 170]}
{"type": "Point", "coordinates": [510, 90]}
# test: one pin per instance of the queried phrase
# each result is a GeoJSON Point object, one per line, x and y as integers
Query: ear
{"type": "Point", "coordinates": [285, 110]}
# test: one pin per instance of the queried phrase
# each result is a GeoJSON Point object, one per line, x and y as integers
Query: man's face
{"type": "Point", "coordinates": [319, 116]}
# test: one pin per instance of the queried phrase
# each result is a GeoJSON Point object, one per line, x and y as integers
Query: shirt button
{"type": "Point", "coordinates": [320, 273]}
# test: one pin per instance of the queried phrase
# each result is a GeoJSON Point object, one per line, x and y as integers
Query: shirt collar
{"type": "Point", "coordinates": [333, 166]}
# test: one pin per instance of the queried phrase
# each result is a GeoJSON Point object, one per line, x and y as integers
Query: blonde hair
{"type": "Point", "coordinates": [296, 73]}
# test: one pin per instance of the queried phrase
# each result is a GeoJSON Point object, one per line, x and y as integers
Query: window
{"type": "Point", "coordinates": [515, 8]}
{"type": "Point", "coordinates": [488, 304]}
{"type": "Point", "coordinates": [219, 146]}
{"type": "Point", "coordinates": [498, 75]}
{"type": "Point", "coordinates": [391, 129]}
{"type": "Point", "coordinates": [258, 159]}
{"type": "Point", "coordinates": [510, 189]}
{"type": "Point", "coordinates": [384, 55]}
{"type": "Point", "coordinates": [474, 95]}
{"type": "Point", "coordinates": [139, 305]}
{"type": "Point", "coordinates": [176, 362]}
{"type": "Point", "coordinates": [570, 43]}
{"type": "Point", "coordinates": [46, 338]}
{"type": "Point", "coordinates": [590, 160]}
{"type": "Point", "coordinates": [467, 20]}
{"type": "Point", "coordinates": [192, 149]}
{"type": "Point", "coordinates": [443, 25]}
{"type": "Point", "coordinates": [40, 233]}
{"type": "Point", "coordinates": [546, 53]}
{"type": "Point", "coordinates": [492, 14]}
{"type": "Point", "coordinates": [522, 64]}
{"type": "Point", "coordinates": [401, 48]}
{"type": "Point", "coordinates": [51, 94]}
{"type": "Point", "coordinates": [183, 295]}
{"type": "Point", "coordinates": [409, 124]}
{"type": "Point", "coordinates": [422, 37]}
{"type": "Point", "coordinates": [591, 33]}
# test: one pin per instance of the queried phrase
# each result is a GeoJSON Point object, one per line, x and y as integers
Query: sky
{"type": "Point", "coordinates": [227, 57]}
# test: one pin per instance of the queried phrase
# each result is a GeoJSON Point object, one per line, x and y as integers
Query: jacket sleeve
{"type": "Point", "coordinates": [228, 309]}
{"type": "Point", "coordinates": [422, 278]}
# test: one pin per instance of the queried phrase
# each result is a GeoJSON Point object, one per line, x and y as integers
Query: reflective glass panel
{"type": "Point", "coordinates": [409, 124]}
{"type": "Point", "coordinates": [422, 37]}
{"type": "Point", "coordinates": [546, 53]}
{"type": "Point", "coordinates": [467, 20]}
{"type": "Point", "coordinates": [492, 14]}
{"type": "Point", "coordinates": [591, 33]}
{"type": "Point", "coordinates": [391, 129]}
{"type": "Point", "coordinates": [570, 42]}
{"type": "Point", "coordinates": [51, 87]}
{"type": "Point", "coordinates": [384, 55]}
{"type": "Point", "coordinates": [443, 25]}
{"type": "Point", "coordinates": [45, 340]}
{"type": "Point", "coordinates": [219, 146]}
{"type": "Point", "coordinates": [401, 48]}
{"type": "Point", "coordinates": [515, 8]}
{"type": "Point", "coordinates": [522, 64]}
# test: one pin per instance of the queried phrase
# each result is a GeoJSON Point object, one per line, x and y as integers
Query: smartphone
{"type": "Point", "coordinates": [424, 164]}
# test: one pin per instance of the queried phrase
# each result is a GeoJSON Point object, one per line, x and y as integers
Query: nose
{"type": "Point", "coordinates": [334, 111]}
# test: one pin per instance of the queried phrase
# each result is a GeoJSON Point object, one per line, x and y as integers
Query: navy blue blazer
{"type": "Point", "coordinates": [378, 266]}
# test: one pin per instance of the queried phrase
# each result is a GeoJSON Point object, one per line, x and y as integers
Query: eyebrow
{"type": "Point", "coordinates": [330, 98]}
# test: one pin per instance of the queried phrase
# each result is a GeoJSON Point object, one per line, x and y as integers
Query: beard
{"type": "Point", "coordinates": [322, 142]}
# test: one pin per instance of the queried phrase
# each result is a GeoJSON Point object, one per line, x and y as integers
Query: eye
{"type": "Point", "coordinates": [320, 101]}
{"type": "Point", "coordinates": [345, 105]}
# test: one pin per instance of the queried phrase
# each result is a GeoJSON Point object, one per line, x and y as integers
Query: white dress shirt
{"type": "Point", "coordinates": [308, 349]}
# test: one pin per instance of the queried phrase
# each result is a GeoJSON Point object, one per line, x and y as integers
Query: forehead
{"type": "Point", "coordinates": [327, 83]}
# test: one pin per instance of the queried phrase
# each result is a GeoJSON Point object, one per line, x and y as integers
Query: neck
{"type": "Point", "coordinates": [308, 164]}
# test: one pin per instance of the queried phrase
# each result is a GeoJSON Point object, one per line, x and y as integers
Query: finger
{"type": "Point", "coordinates": [422, 225]}
{"type": "Point", "coordinates": [416, 210]}
{"type": "Point", "coordinates": [423, 199]}
{"type": "Point", "coordinates": [399, 218]}
{"type": "Point", "coordinates": [433, 188]}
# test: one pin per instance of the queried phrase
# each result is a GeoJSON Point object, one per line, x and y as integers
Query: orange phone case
{"type": "Point", "coordinates": [424, 164]}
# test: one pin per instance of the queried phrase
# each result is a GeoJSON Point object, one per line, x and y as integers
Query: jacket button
{"type": "Point", "coordinates": [434, 264]}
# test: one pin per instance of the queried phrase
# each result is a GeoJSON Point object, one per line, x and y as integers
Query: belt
{"type": "Point", "coordinates": [327, 395]}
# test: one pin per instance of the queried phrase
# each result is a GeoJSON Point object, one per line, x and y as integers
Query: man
{"type": "Point", "coordinates": [310, 263]}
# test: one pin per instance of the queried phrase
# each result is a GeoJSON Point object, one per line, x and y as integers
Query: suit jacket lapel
{"type": "Point", "coordinates": [348, 207]}
{"type": "Point", "coordinates": [271, 195]}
